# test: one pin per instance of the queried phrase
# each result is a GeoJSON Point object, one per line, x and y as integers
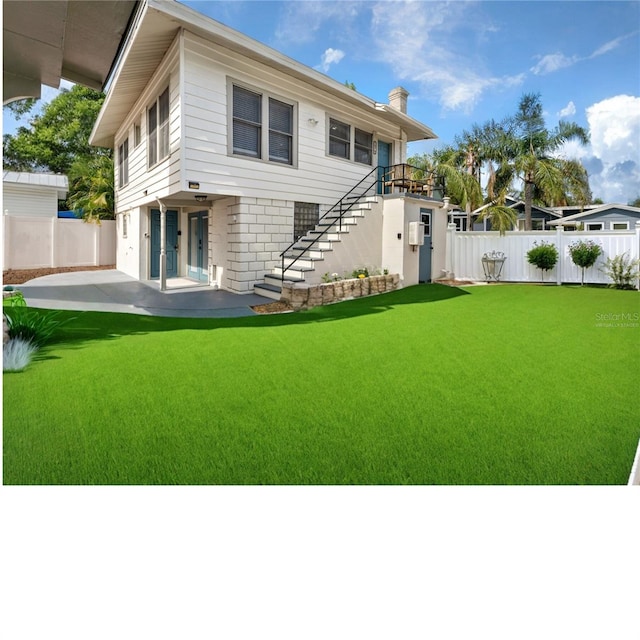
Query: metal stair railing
{"type": "Point", "coordinates": [344, 205]}
{"type": "Point", "coordinates": [349, 200]}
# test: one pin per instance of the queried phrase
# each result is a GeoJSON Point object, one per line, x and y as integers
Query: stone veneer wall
{"type": "Point", "coordinates": [258, 230]}
{"type": "Point", "coordinates": [307, 297]}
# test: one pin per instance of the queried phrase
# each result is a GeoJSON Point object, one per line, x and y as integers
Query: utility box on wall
{"type": "Point", "coordinates": [416, 233]}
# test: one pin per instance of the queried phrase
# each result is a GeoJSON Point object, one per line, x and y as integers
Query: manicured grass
{"type": "Point", "coordinates": [510, 384]}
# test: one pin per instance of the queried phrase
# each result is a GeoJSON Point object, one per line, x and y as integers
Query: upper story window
{"type": "Point", "coordinates": [339, 139]}
{"type": "Point", "coordinates": [343, 143]}
{"type": "Point", "coordinates": [123, 163]}
{"type": "Point", "coordinates": [274, 142]}
{"type": "Point", "coordinates": [158, 128]}
{"type": "Point", "coordinates": [137, 135]}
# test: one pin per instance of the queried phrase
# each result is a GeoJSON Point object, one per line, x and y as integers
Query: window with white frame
{"type": "Point", "coordinates": [594, 226]}
{"type": "Point", "coordinates": [425, 218]}
{"type": "Point", "coordinates": [620, 226]}
{"type": "Point", "coordinates": [158, 129]}
{"type": "Point", "coordinates": [274, 142]}
{"type": "Point", "coordinates": [123, 163]}
{"type": "Point", "coordinates": [349, 142]}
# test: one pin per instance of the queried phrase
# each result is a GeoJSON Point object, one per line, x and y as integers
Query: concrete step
{"type": "Point", "coordinates": [276, 279]}
{"type": "Point", "coordinates": [315, 254]}
{"type": "Point", "coordinates": [268, 290]}
{"type": "Point", "coordinates": [306, 262]}
{"type": "Point", "coordinates": [323, 244]}
{"type": "Point", "coordinates": [294, 272]}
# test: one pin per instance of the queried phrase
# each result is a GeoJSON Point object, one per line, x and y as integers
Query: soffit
{"type": "Point", "coordinates": [45, 41]}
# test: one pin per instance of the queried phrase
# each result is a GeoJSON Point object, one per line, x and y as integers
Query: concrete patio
{"type": "Point", "coordinates": [112, 290]}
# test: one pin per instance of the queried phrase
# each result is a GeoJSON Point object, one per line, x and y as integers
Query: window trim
{"type": "Point", "coordinates": [123, 163]}
{"type": "Point", "coordinates": [624, 222]}
{"type": "Point", "coordinates": [587, 226]}
{"type": "Point", "coordinates": [353, 131]}
{"type": "Point", "coordinates": [160, 127]}
{"type": "Point", "coordinates": [265, 99]}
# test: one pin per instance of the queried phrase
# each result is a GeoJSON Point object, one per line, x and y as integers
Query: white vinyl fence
{"type": "Point", "coordinates": [466, 248]}
{"type": "Point", "coordinates": [36, 242]}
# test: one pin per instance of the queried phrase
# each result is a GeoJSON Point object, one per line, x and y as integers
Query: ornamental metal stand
{"type": "Point", "coordinates": [492, 263]}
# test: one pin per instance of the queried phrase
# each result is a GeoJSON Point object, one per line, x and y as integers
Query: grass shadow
{"type": "Point", "coordinates": [89, 326]}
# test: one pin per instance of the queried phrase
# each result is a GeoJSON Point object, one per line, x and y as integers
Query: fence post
{"type": "Point", "coordinates": [559, 238]}
{"type": "Point", "coordinates": [637, 251]}
{"type": "Point", "coordinates": [54, 240]}
{"type": "Point", "coordinates": [451, 251]}
{"type": "Point", "coordinates": [96, 244]}
{"type": "Point", "coordinates": [6, 245]}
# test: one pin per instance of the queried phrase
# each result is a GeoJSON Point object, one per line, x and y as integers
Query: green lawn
{"type": "Point", "coordinates": [513, 384]}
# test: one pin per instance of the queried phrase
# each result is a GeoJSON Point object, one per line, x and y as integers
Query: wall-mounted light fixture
{"type": "Point", "coordinates": [201, 197]}
{"type": "Point", "coordinates": [313, 122]}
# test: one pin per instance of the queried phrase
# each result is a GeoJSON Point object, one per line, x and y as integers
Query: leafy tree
{"type": "Point", "coordinates": [57, 141]}
{"type": "Point", "coordinates": [58, 135]}
{"type": "Point", "coordinates": [20, 108]}
{"type": "Point", "coordinates": [634, 203]}
{"type": "Point", "coordinates": [524, 148]}
{"type": "Point", "coordinates": [543, 255]}
{"type": "Point", "coordinates": [584, 254]}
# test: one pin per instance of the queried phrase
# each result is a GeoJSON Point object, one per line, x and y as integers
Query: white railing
{"type": "Point", "coordinates": [34, 242]}
{"type": "Point", "coordinates": [466, 248]}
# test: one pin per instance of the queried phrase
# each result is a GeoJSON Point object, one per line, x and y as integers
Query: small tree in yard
{"type": "Point", "coordinates": [543, 255]}
{"type": "Point", "coordinates": [584, 253]}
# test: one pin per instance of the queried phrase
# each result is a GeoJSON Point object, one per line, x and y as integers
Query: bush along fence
{"type": "Point", "coordinates": [309, 296]}
{"type": "Point", "coordinates": [582, 256]}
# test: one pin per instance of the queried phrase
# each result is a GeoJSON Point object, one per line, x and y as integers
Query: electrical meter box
{"type": "Point", "coordinates": [416, 233]}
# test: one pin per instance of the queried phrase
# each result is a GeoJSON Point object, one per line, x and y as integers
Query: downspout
{"type": "Point", "coordinates": [163, 245]}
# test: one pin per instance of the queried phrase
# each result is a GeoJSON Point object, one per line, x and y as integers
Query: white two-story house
{"type": "Point", "coordinates": [227, 152]}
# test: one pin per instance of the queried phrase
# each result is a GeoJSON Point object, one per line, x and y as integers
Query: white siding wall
{"type": "Point", "coordinates": [164, 178]}
{"type": "Point", "coordinates": [317, 177]}
{"type": "Point", "coordinates": [29, 201]}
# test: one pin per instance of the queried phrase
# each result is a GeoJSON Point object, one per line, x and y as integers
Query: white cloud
{"type": "Point", "coordinates": [569, 110]}
{"type": "Point", "coordinates": [552, 62]}
{"type": "Point", "coordinates": [416, 43]}
{"type": "Point", "coordinates": [556, 61]}
{"type": "Point", "coordinates": [613, 156]}
{"type": "Point", "coordinates": [329, 57]}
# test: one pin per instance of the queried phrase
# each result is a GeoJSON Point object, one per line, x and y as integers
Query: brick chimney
{"type": "Point", "coordinates": [398, 99]}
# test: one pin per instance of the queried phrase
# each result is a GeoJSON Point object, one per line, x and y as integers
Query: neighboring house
{"type": "Point", "coordinates": [32, 194]}
{"type": "Point", "coordinates": [606, 217]}
{"type": "Point", "coordinates": [541, 217]}
{"type": "Point", "coordinates": [227, 152]}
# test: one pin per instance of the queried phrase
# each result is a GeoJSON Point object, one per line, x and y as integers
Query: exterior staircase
{"type": "Point", "coordinates": [300, 259]}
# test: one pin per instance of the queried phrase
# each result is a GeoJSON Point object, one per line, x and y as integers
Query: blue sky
{"type": "Point", "coordinates": [467, 62]}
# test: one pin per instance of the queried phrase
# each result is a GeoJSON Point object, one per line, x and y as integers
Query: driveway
{"type": "Point", "coordinates": [112, 290]}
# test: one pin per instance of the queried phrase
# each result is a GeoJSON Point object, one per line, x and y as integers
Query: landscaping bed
{"type": "Point", "coordinates": [20, 276]}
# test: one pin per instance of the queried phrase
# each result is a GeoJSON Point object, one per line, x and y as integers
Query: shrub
{"type": "Point", "coordinates": [33, 326]}
{"type": "Point", "coordinates": [543, 255]}
{"type": "Point", "coordinates": [584, 253]}
{"type": "Point", "coordinates": [17, 354]}
{"type": "Point", "coordinates": [622, 271]}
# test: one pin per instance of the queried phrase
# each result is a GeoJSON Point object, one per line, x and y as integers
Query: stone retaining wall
{"type": "Point", "coordinates": [309, 296]}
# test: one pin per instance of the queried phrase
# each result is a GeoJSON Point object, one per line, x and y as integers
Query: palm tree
{"type": "Point", "coordinates": [524, 148]}
{"type": "Point", "coordinates": [463, 188]}
{"type": "Point", "coordinates": [91, 188]}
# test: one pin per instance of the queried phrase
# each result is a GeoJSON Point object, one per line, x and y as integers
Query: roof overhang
{"type": "Point", "coordinates": [154, 30]}
{"type": "Point", "coordinates": [45, 41]}
{"type": "Point", "coordinates": [599, 210]}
